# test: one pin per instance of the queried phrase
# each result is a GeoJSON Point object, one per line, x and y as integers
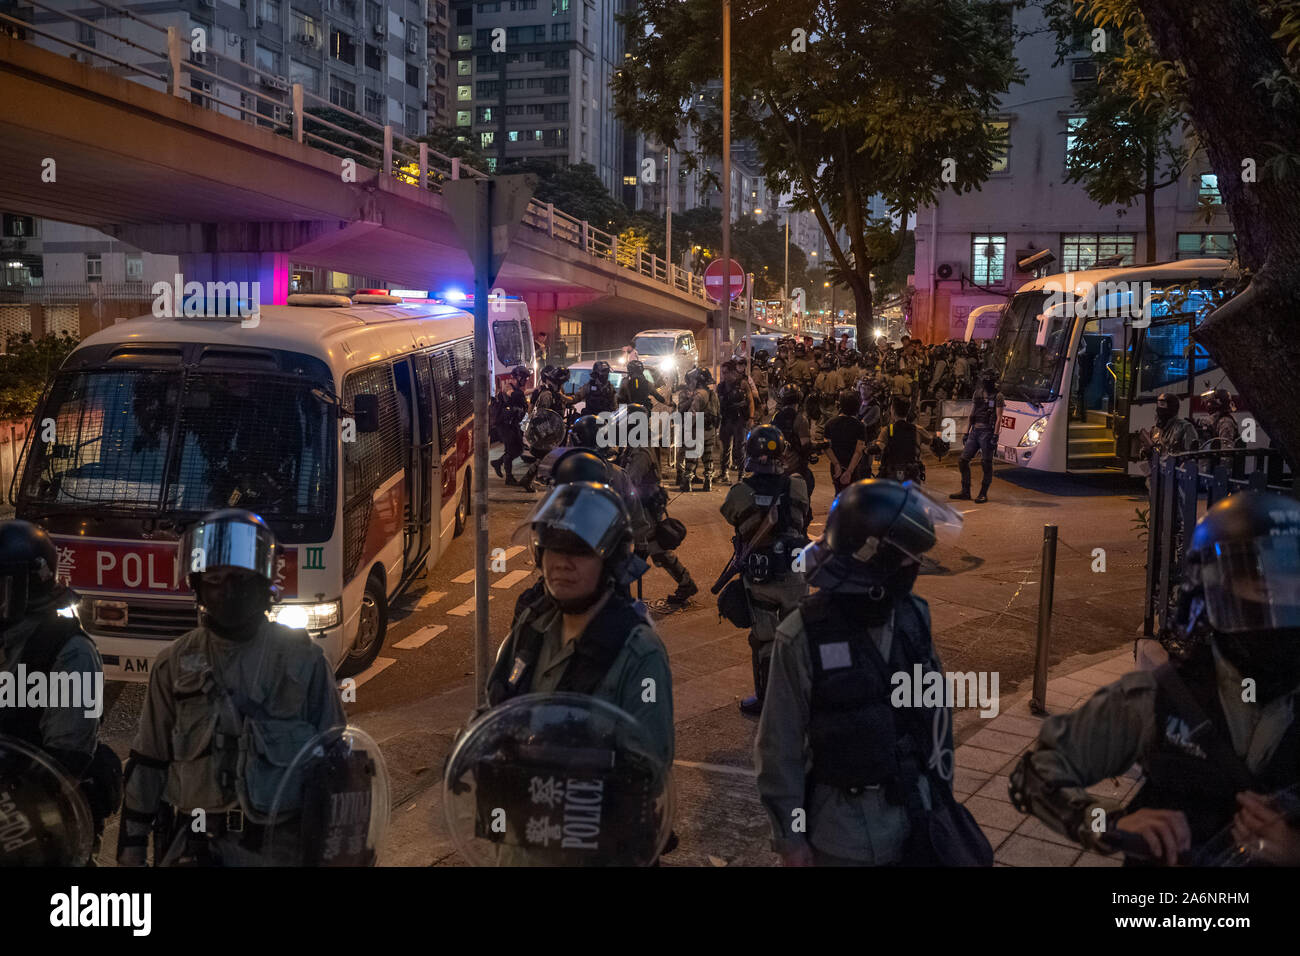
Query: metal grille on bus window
{"type": "Point", "coordinates": [445, 388]}
{"type": "Point", "coordinates": [112, 430]}
{"type": "Point", "coordinates": [356, 522]}
{"type": "Point", "coordinates": [260, 442]}
{"type": "Point", "coordinates": [464, 380]}
{"type": "Point", "coordinates": [371, 459]}
{"type": "Point", "coordinates": [424, 397]}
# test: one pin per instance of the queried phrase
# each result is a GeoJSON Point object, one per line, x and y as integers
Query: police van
{"type": "Point", "coordinates": [345, 424]}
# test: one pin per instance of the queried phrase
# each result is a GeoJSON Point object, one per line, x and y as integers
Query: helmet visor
{"type": "Point", "coordinates": [923, 522]}
{"type": "Point", "coordinates": [576, 517]}
{"type": "Point", "coordinates": [1253, 585]}
{"type": "Point", "coordinates": [229, 543]}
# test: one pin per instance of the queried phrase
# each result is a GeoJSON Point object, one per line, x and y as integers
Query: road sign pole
{"type": "Point", "coordinates": [726, 177]}
{"type": "Point", "coordinates": [483, 189]}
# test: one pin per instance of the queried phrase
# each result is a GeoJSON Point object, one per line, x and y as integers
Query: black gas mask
{"type": "Point", "coordinates": [234, 602]}
{"type": "Point", "coordinates": [1270, 658]}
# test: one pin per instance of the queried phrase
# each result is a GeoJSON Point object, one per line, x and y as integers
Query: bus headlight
{"type": "Point", "coordinates": [311, 617]}
{"type": "Point", "coordinates": [1035, 433]}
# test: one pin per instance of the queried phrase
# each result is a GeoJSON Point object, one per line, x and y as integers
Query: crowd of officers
{"type": "Point", "coordinates": [845, 775]}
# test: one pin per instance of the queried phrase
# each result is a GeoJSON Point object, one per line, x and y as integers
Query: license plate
{"type": "Point", "coordinates": [135, 665]}
{"type": "Point", "coordinates": [1006, 453]}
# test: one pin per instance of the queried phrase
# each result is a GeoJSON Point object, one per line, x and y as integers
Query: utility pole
{"type": "Point", "coordinates": [725, 313]}
{"type": "Point", "coordinates": [668, 205]}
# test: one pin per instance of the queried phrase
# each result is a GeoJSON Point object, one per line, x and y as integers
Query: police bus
{"type": "Point", "coordinates": [1081, 358]}
{"type": "Point", "coordinates": [345, 424]}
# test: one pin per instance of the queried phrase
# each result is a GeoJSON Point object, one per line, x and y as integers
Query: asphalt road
{"type": "Point", "coordinates": [983, 592]}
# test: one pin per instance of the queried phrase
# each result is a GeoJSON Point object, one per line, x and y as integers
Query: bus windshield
{"type": "Point", "coordinates": [1027, 357]}
{"type": "Point", "coordinates": [145, 441]}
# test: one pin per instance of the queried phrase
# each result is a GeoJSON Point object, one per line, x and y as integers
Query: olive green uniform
{"type": "Point", "coordinates": [218, 752]}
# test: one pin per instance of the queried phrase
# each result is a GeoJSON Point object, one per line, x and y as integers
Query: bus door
{"type": "Point", "coordinates": [1162, 356]}
{"type": "Point", "coordinates": [414, 407]}
{"type": "Point", "coordinates": [1095, 412]}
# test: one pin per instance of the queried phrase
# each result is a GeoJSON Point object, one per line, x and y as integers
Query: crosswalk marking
{"type": "Point", "coordinates": [465, 578]}
{"type": "Point", "coordinates": [513, 578]}
{"type": "Point", "coordinates": [466, 609]}
{"type": "Point", "coordinates": [511, 552]}
{"type": "Point", "coordinates": [421, 637]}
{"type": "Point", "coordinates": [380, 664]}
{"type": "Point", "coordinates": [429, 598]}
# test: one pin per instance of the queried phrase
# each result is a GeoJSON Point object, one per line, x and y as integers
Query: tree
{"type": "Point", "coordinates": [842, 99]}
{"type": "Point", "coordinates": [1125, 149]}
{"type": "Point", "coordinates": [1234, 67]}
{"type": "Point", "coordinates": [26, 364]}
{"type": "Point", "coordinates": [576, 190]}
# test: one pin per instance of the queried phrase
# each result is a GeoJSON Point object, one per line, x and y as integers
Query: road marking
{"type": "Point", "coordinates": [511, 552]}
{"type": "Point", "coordinates": [466, 609]}
{"type": "Point", "coordinates": [513, 578]}
{"type": "Point", "coordinates": [380, 664]}
{"type": "Point", "coordinates": [465, 578]}
{"type": "Point", "coordinates": [718, 768]}
{"type": "Point", "coordinates": [421, 637]}
{"type": "Point", "coordinates": [428, 598]}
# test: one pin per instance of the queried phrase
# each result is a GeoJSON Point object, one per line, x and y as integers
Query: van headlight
{"type": "Point", "coordinates": [668, 366]}
{"type": "Point", "coordinates": [1035, 433]}
{"type": "Point", "coordinates": [310, 617]}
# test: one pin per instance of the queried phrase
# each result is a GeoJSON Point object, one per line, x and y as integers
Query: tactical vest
{"type": "Point", "coordinates": [900, 452]}
{"type": "Point", "coordinates": [600, 398]}
{"type": "Point", "coordinates": [984, 411]}
{"type": "Point", "coordinates": [784, 420]}
{"type": "Point", "coordinates": [1182, 772]}
{"type": "Point", "coordinates": [858, 738]}
{"type": "Point", "coordinates": [733, 400]}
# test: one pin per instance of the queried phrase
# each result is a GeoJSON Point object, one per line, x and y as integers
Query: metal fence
{"type": "Point", "coordinates": [230, 86]}
{"type": "Point", "coordinates": [1181, 488]}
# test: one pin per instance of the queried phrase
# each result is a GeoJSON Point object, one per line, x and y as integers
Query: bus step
{"type": "Point", "coordinates": [1085, 470]}
{"type": "Point", "coordinates": [1102, 444]}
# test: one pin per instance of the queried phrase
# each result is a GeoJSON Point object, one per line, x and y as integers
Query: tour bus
{"type": "Point", "coordinates": [345, 424]}
{"type": "Point", "coordinates": [850, 330]}
{"type": "Point", "coordinates": [1081, 358]}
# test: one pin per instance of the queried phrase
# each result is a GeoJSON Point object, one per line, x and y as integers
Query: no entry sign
{"type": "Point", "coordinates": [715, 279]}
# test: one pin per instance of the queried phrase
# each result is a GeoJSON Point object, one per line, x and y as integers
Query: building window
{"type": "Point", "coordinates": [559, 31]}
{"type": "Point", "coordinates": [484, 89]}
{"type": "Point", "coordinates": [558, 7]}
{"type": "Point", "coordinates": [493, 7]}
{"type": "Point", "coordinates": [412, 75]}
{"type": "Point", "coordinates": [134, 267]}
{"type": "Point", "coordinates": [342, 48]}
{"type": "Point", "coordinates": [465, 93]}
{"type": "Point", "coordinates": [1205, 245]}
{"type": "Point", "coordinates": [19, 227]}
{"type": "Point", "coordinates": [988, 256]}
{"type": "Point", "coordinates": [571, 332]}
{"type": "Point", "coordinates": [1002, 154]}
{"type": "Point", "coordinates": [486, 139]}
{"type": "Point", "coordinates": [462, 118]}
{"type": "Point", "coordinates": [306, 29]}
{"type": "Point", "coordinates": [631, 181]}
{"type": "Point", "coordinates": [94, 267]}
{"type": "Point", "coordinates": [375, 15]}
{"type": "Point", "coordinates": [464, 41]}
{"type": "Point", "coordinates": [266, 60]}
{"type": "Point", "coordinates": [513, 135]}
{"type": "Point", "coordinates": [374, 102]}
{"type": "Point", "coordinates": [269, 11]}
{"type": "Point", "coordinates": [463, 67]}
{"type": "Point", "coordinates": [307, 75]}
{"type": "Point", "coordinates": [1082, 250]}
{"type": "Point", "coordinates": [485, 114]}
{"type": "Point", "coordinates": [1208, 189]}
{"type": "Point", "coordinates": [343, 93]}
{"type": "Point", "coordinates": [1072, 126]}
{"type": "Point", "coordinates": [412, 121]}
{"type": "Point", "coordinates": [492, 164]}
{"type": "Point", "coordinates": [374, 58]}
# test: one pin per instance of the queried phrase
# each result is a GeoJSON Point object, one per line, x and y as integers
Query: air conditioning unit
{"type": "Point", "coordinates": [274, 82]}
{"type": "Point", "coordinates": [202, 86]}
{"type": "Point", "coordinates": [381, 30]}
{"type": "Point", "coordinates": [412, 46]}
{"type": "Point", "coordinates": [948, 270]}
{"type": "Point", "coordinates": [200, 59]}
{"type": "Point", "coordinates": [1083, 71]}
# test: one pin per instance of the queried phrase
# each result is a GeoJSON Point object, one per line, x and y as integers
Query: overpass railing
{"type": "Point", "coordinates": [163, 57]}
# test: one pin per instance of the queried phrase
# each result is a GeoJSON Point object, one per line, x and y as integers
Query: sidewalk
{"type": "Point", "coordinates": [984, 763]}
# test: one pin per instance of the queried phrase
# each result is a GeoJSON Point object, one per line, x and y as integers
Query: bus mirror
{"type": "Point", "coordinates": [365, 409]}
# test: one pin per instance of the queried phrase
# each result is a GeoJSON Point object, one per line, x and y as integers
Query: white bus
{"type": "Point", "coordinates": [346, 426]}
{"type": "Point", "coordinates": [1082, 356]}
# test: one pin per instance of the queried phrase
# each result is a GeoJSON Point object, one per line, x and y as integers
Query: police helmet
{"type": "Point", "coordinates": [636, 368]}
{"type": "Point", "coordinates": [789, 395]}
{"type": "Point", "coordinates": [585, 431]}
{"type": "Point", "coordinates": [561, 375]}
{"type": "Point", "coordinates": [28, 571]}
{"type": "Point", "coordinates": [520, 373]}
{"type": "Point", "coordinates": [1217, 400]}
{"type": "Point", "coordinates": [703, 378]}
{"type": "Point", "coordinates": [229, 538]}
{"type": "Point", "coordinates": [548, 373]}
{"type": "Point", "coordinates": [1245, 553]}
{"type": "Point", "coordinates": [583, 517]}
{"type": "Point", "coordinates": [852, 357]}
{"type": "Point", "coordinates": [691, 378]}
{"type": "Point", "coordinates": [600, 371]}
{"type": "Point", "coordinates": [765, 450]}
{"type": "Point", "coordinates": [877, 512]}
{"type": "Point", "coordinates": [579, 464]}
{"type": "Point", "coordinates": [761, 358]}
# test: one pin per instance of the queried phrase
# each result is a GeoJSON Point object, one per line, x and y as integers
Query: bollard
{"type": "Point", "coordinates": [1047, 582]}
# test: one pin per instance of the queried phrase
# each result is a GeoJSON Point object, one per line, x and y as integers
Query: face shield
{"type": "Point", "coordinates": [922, 522]}
{"type": "Point", "coordinates": [230, 539]}
{"type": "Point", "coordinates": [1253, 585]}
{"type": "Point", "coordinates": [582, 517]}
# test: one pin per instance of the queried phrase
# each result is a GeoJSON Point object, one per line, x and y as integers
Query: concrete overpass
{"type": "Point", "coordinates": [238, 202]}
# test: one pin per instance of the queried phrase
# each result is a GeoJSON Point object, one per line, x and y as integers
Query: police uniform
{"type": "Point", "coordinates": [900, 452]}
{"type": "Point", "coordinates": [737, 408]}
{"type": "Point", "coordinates": [793, 424]}
{"type": "Point", "coordinates": [1176, 435]}
{"type": "Point", "coordinates": [598, 396]}
{"type": "Point", "coordinates": [221, 721]}
{"type": "Point", "coordinates": [514, 407]}
{"type": "Point", "coordinates": [832, 765]}
{"type": "Point", "coordinates": [981, 438]}
{"type": "Point", "coordinates": [772, 586]}
{"type": "Point", "coordinates": [642, 471]}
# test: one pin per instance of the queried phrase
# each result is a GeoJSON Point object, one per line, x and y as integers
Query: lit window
{"type": "Point", "coordinates": [1082, 250]}
{"type": "Point", "coordinates": [486, 139]}
{"type": "Point", "coordinates": [462, 118]}
{"type": "Point", "coordinates": [629, 180]}
{"type": "Point", "coordinates": [1001, 155]}
{"type": "Point", "coordinates": [513, 135]}
{"type": "Point", "coordinates": [1208, 191]}
{"type": "Point", "coordinates": [988, 259]}
{"type": "Point", "coordinates": [1072, 127]}
{"type": "Point", "coordinates": [464, 93]}
{"type": "Point", "coordinates": [94, 267]}
{"type": "Point", "coordinates": [1205, 245]}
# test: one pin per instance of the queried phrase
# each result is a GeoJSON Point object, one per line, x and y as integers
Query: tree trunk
{"type": "Point", "coordinates": [862, 300]}
{"type": "Point", "coordinates": [1149, 200]}
{"type": "Point", "coordinates": [1226, 50]}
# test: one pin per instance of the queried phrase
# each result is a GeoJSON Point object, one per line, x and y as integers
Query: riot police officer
{"type": "Point", "coordinates": [981, 437]}
{"type": "Point", "coordinates": [547, 408]}
{"type": "Point", "coordinates": [1172, 433]}
{"type": "Point", "coordinates": [899, 446]}
{"type": "Point", "coordinates": [769, 509]}
{"type": "Point", "coordinates": [1224, 432]}
{"type": "Point", "coordinates": [585, 460]}
{"type": "Point", "coordinates": [736, 401]}
{"type": "Point", "coordinates": [577, 629]}
{"type": "Point", "coordinates": [636, 388]}
{"type": "Point", "coordinates": [596, 392]}
{"type": "Point", "coordinates": [641, 465]}
{"type": "Point", "coordinates": [847, 777]}
{"type": "Point", "coordinates": [793, 425]}
{"type": "Point", "coordinates": [35, 636]}
{"type": "Point", "coordinates": [1215, 732]}
{"type": "Point", "coordinates": [514, 405]}
{"type": "Point", "coordinates": [229, 704]}
{"type": "Point", "coordinates": [760, 371]}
